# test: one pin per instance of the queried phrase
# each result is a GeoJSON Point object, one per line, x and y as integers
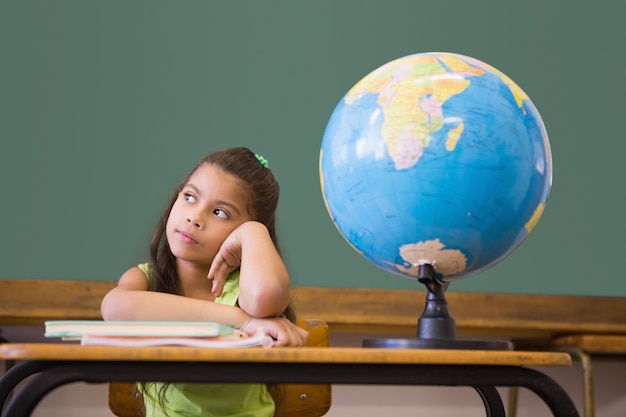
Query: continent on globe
{"type": "Point", "coordinates": [432, 252]}
{"type": "Point", "coordinates": [412, 107]}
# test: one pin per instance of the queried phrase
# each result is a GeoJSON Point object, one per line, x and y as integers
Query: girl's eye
{"type": "Point", "coordinates": [220, 213]}
{"type": "Point", "coordinates": [189, 198]}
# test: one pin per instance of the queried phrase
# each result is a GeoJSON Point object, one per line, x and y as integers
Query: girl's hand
{"type": "Point", "coordinates": [228, 259]}
{"type": "Point", "coordinates": [284, 332]}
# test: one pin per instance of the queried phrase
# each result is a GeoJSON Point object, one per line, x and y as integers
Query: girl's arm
{"type": "Point", "coordinates": [131, 300]}
{"type": "Point", "coordinates": [263, 279]}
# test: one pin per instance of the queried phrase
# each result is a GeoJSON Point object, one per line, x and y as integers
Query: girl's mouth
{"type": "Point", "coordinates": [186, 237]}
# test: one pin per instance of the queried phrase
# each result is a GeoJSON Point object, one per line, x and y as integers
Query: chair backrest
{"type": "Point", "coordinates": [292, 400]}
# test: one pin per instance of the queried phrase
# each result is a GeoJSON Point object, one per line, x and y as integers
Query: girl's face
{"type": "Point", "coordinates": [210, 206]}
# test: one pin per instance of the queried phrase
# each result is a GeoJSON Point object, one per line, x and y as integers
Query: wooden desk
{"type": "Point", "coordinates": [594, 344]}
{"type": "Point", "coordinates": [52, 365]}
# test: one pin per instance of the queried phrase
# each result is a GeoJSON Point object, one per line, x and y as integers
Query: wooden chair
{"type": "Point", "coordinates": [292, 400]}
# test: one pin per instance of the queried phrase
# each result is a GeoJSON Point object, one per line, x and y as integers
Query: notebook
{"type": "Point", "coordinates": [235, 341]}
{"type": "Point", "coordinates": [76, 329]}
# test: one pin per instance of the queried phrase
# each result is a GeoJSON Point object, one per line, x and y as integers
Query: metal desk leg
{"type": "Point", "coordinates": [492, 401]}
{"type": "Point", "coordinates": [553, 395]}
{"type": "Point", "coordinates": [588, 389]}
{"type": "Point", "coordinates": [513, 397]}
{"type": "Point", "coordinates": [585, 362]}
{"type": "Point", "coordinates": [24, 402]}
{"type": "Point", "coordinates": [17, 374]}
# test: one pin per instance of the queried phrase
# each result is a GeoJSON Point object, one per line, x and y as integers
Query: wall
{"type": "Point", "coordinates": [106, 105]}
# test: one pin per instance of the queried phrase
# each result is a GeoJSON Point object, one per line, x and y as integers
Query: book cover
{"type": "Point", "coordinates": [76, 329]}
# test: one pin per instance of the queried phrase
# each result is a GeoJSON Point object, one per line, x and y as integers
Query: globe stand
{"type": "Point", "coordinates": [436, 329]}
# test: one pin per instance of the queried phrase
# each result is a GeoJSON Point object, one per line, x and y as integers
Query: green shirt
{"type": "Point", "coordinates": [210, 400]}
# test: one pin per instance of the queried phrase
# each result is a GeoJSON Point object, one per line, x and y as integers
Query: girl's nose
{"type": "Point", "coordinates": [193, 220]}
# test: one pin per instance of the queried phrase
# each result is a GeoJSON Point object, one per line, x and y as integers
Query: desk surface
{"type": "Point", "coordinates": [75, 352]}
{"type": "Point", "coordinates": [594, 344]}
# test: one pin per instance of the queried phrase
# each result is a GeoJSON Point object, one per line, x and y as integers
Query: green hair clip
{"type": "Point", "coordinates": [262, 160]}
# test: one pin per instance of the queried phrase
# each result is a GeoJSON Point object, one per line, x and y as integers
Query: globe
{"type": "Point", "coordinates": [435, 159]}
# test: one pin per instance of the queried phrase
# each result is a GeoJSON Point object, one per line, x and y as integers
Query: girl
{"type": "Point", "coordinates": [214, 257]}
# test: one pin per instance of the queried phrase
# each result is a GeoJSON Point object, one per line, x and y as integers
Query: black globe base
{"type": "Point", "coordinates": [461, 344]}
{"type": "Point", "coordinates": [436, 328]}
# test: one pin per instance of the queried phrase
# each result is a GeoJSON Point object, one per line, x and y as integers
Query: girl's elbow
{"type": "Point", "coordinates": [111, 308]}
{"type": "Point", "coordinates": [106, 310]}
{"type": "Point", "coordinates": [261, 304]}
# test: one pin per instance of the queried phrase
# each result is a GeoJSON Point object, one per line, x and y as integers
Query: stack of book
{"type": "Point", "coordinates": [153, 333]}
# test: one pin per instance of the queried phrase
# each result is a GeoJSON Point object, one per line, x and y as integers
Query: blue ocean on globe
{"type": "Point", "coordinates": [435, 158]}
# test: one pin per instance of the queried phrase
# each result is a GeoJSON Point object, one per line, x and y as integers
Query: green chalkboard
{"type": "Point", "coordinates": [105, 106]}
